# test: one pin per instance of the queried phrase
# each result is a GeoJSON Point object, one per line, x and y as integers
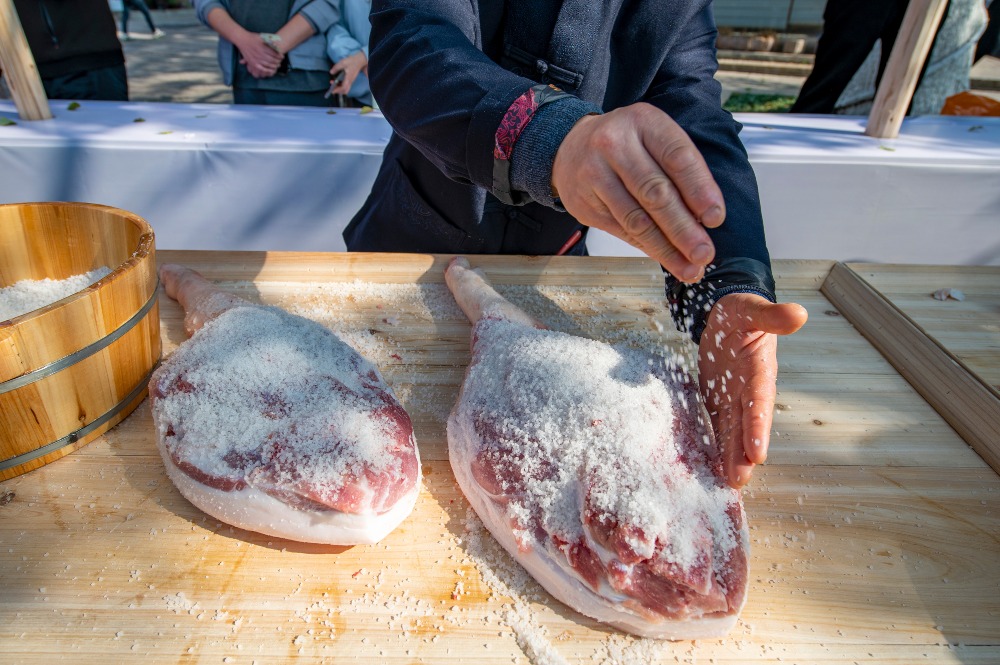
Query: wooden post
{"type": "Point", "coordinates": [899, 81]}
{"type": "Point", "coordinates": [19, 67]}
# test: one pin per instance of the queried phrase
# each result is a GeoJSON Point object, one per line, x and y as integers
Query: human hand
{"type": "Point", "coordinates": [352, 65]}
{"type": "Point", "coordinates": [634, 173]}
{"type": "Point", "coordinates": [737, 371]}
{"type": "Point", "coordinates": [261, 59]}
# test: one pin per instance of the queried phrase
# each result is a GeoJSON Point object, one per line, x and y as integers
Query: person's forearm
{"type": "Point", "coordinates": [297, 30]}
{"type": "Point", "coordinates": [457, 137]}
{"type": "Point", "coordinates": [219, 20]}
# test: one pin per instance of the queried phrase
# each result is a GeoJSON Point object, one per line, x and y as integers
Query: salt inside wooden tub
{"type": "Point", "coordinates": [72, 369]}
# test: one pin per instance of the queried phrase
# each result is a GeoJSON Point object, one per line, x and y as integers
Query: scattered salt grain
{"type": "Point", "coordinates": [505, 578]}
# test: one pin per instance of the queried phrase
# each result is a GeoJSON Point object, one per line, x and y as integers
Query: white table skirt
{"type": "Point", "coordinates": [205, 176]}
{"type": "Point", "coordinates": [210, 176]}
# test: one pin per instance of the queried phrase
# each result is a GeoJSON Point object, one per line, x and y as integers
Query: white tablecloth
{"type": "Point", "coordinates": [227, 177]}
{"type": "Point", "coordinates": [827, 191]}
{"type": "Point", "coordinates": [205, 176]}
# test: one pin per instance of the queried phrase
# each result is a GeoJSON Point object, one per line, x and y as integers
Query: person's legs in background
{"type": "Point", "coordinates": [124, 19]}
{"type": "Point", "coordinates": [142, 7]}
{"type": "Point", "coordinates": [850, 30]}
{"type": "Point", "coordinates": [280, 97]}
{"type": "Point", "coordinates": [107, 83]}
{"type": "Point", "coordinates": [893, 21]}
{"type": "Point", "coordinates": [989, 43]}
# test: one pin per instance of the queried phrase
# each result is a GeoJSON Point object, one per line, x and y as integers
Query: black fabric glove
{"type": "Point", "coordinates": [691, 303]}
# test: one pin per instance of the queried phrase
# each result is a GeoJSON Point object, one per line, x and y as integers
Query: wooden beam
{"type": "Point", "coordinates": [966, 402]}
{"type": "Point", "coordinates": [899, 81]}
{"type": "Point", "coordinates": [19, 67]}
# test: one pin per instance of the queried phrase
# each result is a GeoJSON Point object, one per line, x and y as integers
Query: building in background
{"type": "Point", "coordinates": [780, 15]}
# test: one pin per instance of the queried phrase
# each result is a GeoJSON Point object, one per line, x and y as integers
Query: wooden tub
{"type": "Point", "coordinates": [72, 369]}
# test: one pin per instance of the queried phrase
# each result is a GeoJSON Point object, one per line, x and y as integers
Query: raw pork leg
{"type": "Point", "coordinates": [269, 422]}
{"type": "Point", "coordinates": [596, 468]}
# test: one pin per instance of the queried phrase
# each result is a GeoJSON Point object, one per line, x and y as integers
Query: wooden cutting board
{"type": "Point", "coordinates": [874, 526]}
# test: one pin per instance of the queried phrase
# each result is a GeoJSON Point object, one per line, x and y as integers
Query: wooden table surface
{"type": "Point", "coordinates": [875, 529]}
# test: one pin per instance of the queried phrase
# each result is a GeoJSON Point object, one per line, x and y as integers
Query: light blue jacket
{"type": "Point", "coordinates": [350, 35]}
{"type": "Point", "coordinates": [310, 54]}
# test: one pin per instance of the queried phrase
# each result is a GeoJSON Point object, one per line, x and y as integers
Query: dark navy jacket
{"type": "Point", "coordinates": [445, 73]}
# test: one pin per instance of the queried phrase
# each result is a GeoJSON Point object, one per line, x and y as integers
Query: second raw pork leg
{"type": "Point", "coordinates": [596, 468]}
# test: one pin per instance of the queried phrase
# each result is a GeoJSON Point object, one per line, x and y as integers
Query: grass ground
{"type": "Point", "coordinates": [743, 102]}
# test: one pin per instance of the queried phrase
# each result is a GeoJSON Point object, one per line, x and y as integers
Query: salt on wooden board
{"type": "Point", "coordinates": [856, 442]}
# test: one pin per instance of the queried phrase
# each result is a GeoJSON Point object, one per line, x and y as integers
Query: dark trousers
{"type": "Point", "coordinates": [850, 30]}
{"type": "Point", "coordinates": [108, 83]}
{"type": "Point", "coordinates": [989, 43]}
{"type": "Point", "coordinates": [280, 97]}
{"type": "Point", "coordinates": [141, 6]}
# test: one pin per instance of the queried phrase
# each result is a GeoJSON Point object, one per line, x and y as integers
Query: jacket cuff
{"type": "Point", "coordinates": [691, 303]}
{"type": "Point", "coordinates": [562, 110]}
{"type": "Point", "coordinates": [320, 15]}
{"type": "Point", "coordinates": [535, 150]}
{"type": "Point", "coordinates": [202, 10]}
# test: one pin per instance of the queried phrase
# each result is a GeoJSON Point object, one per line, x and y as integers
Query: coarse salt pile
{"type": "Point", "coordinates": [269, 422]}
{"type": "Point", "coordinates": [596, 468]}
{"type": "Point", "coordinates": [616, 427]}
{"type": "Point", "coordinates": [31, 294]}
{"type": "Point", "coordinates": [274, 379]}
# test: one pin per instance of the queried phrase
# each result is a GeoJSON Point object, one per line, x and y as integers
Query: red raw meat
{"type": "Point", "coordinates": [268, 421]}
{"type": "Point", "coordinates": [596, 468]}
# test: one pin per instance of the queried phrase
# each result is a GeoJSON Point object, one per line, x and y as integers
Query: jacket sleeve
{"type": "Point", "coordinates": [340, 43]}
{"type": "Point", "coordinates": [685, 88]}
{"type": "Point", "coordinates": [436, 87]}
{"type": "Point", "coordinates": [203, 7]}
{"type": "Point", "coordinates": [352, 31]}
{"type": "Point", "coordinates": [321, 14]}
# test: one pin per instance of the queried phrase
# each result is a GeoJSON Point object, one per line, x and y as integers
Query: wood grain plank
{"type": "Point", "coordinates": [315, 267]}
{"type": "Point", "coordinates": [969, 404]}
{"type": "Point", "coordinates": [841, 555]}
{"type": "Point", "coordinates": [800, 275]}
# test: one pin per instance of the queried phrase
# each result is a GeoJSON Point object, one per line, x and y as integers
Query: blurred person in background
{"type": "Point", "coordinates": [141, 6]}
{"type": "Point", "coordinates": [76, 48]}
{"type": "Point", "coordinates": [844, 78]}
{"type": "Point", "coordinates": [347, 46]}
{"type": "Point", "coordinates": [273, 51]}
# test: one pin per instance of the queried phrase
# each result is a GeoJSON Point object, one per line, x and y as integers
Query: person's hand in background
{"type": "Point", "coordinates": [352, 65]}
{"type": "Point", "coordinates": [261, 58]}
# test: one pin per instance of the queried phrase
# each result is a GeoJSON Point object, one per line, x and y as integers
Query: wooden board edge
{"type": "Point", "coordinates": [224, 265]}
{"type": "Point", "coordinates": [966, 402]}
